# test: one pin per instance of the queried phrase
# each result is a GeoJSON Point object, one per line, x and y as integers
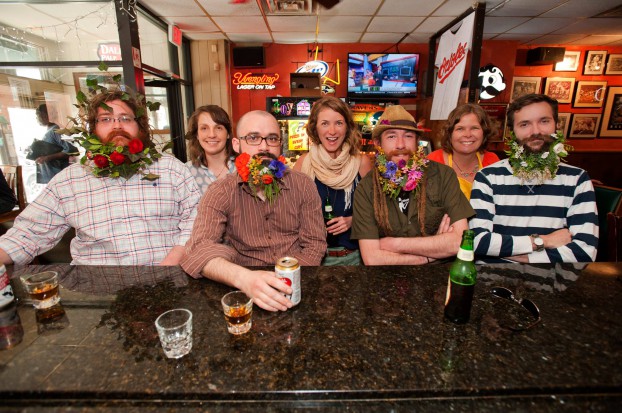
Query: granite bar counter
{"type": "Point", "coordinates": [363, 338]}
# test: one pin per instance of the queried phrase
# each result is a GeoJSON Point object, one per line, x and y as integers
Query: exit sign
{"type": "Point", "coordinates": [174, 35]}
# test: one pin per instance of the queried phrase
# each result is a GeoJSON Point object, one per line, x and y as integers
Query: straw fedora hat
{"type": "Point", "coordinates": [395, 117]}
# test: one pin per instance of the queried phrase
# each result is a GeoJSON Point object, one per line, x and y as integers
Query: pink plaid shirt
{"type": "Point", "coordinates": [117, 221]}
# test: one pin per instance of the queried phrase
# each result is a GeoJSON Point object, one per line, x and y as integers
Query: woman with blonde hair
{"type": "Point", "coordinates": [210, 148]}
{"type": "Point", "coordinates": [336, 165]}
{"type": "Point", "coordinates": [465, 136]}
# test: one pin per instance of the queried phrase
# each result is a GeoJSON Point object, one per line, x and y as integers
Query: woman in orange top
{"type": "Point", "coordinates": [465, 135]}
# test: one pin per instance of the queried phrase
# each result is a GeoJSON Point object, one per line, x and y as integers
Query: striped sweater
{"type": "Point", "coordinates": [507, 213]}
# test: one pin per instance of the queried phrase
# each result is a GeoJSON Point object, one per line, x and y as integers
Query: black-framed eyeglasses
{"type": "Point", "coordinates": [109, 120]}
{"type": "Point", "coordinates": [253, 139]}
{"type": "Point", "coordinates": [527, 304]}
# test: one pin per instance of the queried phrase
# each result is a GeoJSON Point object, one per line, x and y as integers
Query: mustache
{"type": "Point", "coordinates": [142, 135]}
{"type": "Point", "coordinates": [115, 133]}
{"type": "Point", "coordinates": [546, 139]}
{"type": "Point", "coordinates": [265, 154]}
{"type": "Point", "coordinates": [400, 152]}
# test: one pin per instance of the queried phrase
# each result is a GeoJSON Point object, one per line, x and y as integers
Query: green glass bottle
{"type": "Point", "coordinates": [328, 215]}
{"type": "Point", "coordinates": [462, 278]}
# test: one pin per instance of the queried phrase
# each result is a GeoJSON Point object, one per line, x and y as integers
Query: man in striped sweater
{"type": "Point", "coordinates": [531, 207]}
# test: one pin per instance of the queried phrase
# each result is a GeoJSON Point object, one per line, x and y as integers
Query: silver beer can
{"type": "Point", "coordinates": [288, 270]}
{"type": "Point", "coordinates": [6, 292]}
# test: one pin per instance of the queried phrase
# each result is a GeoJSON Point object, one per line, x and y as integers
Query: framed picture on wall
{"type": "Point", "coordinates": [524, 85]}
{"type": "Point", "coordinates": [570, 62]}
{"type": "Point", "coordinates": [595, 62]}
{"type": "Point", "coordinates": [612, 115]}
{"type": "Point", "coordinates": [497, 113]}
{"type": "Point", "coordinates": [563, 122]}
{"type": "Point", "coordinates": [584, 125]}
{"type": "Point", "coordinates": [590, 94]}
{"type": "Point", "coordinates": [560, 88]}
{"type": "Point", "coordinates": [614, 65]}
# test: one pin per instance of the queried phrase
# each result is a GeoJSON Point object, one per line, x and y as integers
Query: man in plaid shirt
{"type": "Point", "coordinates": [118, 221]}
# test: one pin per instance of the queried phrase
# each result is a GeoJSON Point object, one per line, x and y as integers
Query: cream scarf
{"type": "Point", "coordinates": [338, 173]}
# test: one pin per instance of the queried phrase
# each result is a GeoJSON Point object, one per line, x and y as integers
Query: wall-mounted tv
{"type": "Point", "coordinates": [383, 75]}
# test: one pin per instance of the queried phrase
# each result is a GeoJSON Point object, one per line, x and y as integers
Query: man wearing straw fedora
{"type": "Point", "coordinates": [408, 210]}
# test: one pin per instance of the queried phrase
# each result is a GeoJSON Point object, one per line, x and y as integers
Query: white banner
{"type": "Point", "coordinates": [451, 59]}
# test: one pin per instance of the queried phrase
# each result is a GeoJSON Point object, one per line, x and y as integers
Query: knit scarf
{"type": "Point", "coordinates": [338, 173]}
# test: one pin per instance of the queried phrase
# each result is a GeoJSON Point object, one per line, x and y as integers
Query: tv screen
{"type": "Point", "coordinates": [379, 75]}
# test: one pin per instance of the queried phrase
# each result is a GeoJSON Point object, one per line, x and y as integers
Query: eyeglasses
{"type": "Point", "coordinates": [109, 120]}
{"type": "Point", "coordinates": [528, 305]}
{"type": "Point", "coordinates": [271, 140]}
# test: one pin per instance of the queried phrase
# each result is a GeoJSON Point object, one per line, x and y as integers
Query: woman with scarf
{"type": "Point", "coordinates": [336, 165]}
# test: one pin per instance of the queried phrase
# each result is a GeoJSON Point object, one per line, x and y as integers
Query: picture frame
{"type": "Point", "coordinates": [80, 80]}
{"type": "Point", "coordinates": [614, 65]}
{"type": "Point", "coordinates": [611, 126]}
{"type": "Point", "coordinates": [524, 85]}
{"type": "Point", "coordinates": [563, 122]}
{"type": "Point", "coordinates": [560, 88]}
{"type": "Point", "coordinates": [584, 125]}
{"type": "Point", "coordinates": [590, 94]}
{"type": "Point", "coordinates": [570, 62]}
{"type": "Point", "coordinates": [595, 62]}
{"type": "Point", "coordinates": [498, 116]}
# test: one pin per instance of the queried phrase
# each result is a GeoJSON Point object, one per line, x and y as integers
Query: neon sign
{"type": "Point", "coordinates": [254, 81]}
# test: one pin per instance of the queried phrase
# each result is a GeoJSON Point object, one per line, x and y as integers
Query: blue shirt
{"type": "Point", "coordinates": [337, 198]}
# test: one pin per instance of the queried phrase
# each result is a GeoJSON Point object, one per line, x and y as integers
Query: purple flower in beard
{"type": "Point", "coordinates": [278, 168]}
{"type": "Point", "coordinates": [401, 164]}
{"type": "Point", "coordinates": [391, 169]}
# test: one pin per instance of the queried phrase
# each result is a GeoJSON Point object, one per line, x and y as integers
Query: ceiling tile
{"type": "Point", "coordinates": [557, 39]}
{"type": "Point", "coordinates": [408, 7]}
{"type": "Point", "coordinates": [582, 8]}
{"type": "Point", "coordinates": [242, 24]}
{"type": "Point", "coordinates": [502, 24]}
{"type": "Point", "coordinates": [292, 23]}
{"type": "Point", "coordinates": [418, 38]}
{"type": "Point", "coordinates": [599, 40]}
{"type": "Point", "coordinates": [293, 37]}
{"type": "Point", "coordinates": [334, 24]}
{"type": "Point", "coordinates": [226, 7]}
{"type": "Point", "coordinates": [173, 8]}
{"type": "Point", "coordinates": [541, 26]}
{"type": "Point", "coordinates": [433, 24]}
{"type": "Point", "coordinates": [204, 36]}
{"type": "Point", "coordinates": [453, 8]}
{"type": "Point", "coordinates": [593, 26]}
{"type": "Point", "coordinates": [517, 36]}
{"type": "Point", "coordinates": [527, 8]}
{"type": "Point", "coordinates": [199, 24]}
{"type": "Point", "coordinates": [382, 37]}
{"type": "Point", "coordinates": [350, 37]}
{"type": "Point", "coordinates": [352, 8]}
{"type": "Point", "coordinates": [394, 24]}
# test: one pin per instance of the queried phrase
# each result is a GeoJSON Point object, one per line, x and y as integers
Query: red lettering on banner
{"type": "Point", "coordinates": [448, 65]}
{"type": "Point", "coordinates": [254, 79]}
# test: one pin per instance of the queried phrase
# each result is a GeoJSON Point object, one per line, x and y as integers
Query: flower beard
{"type": "Point", "coordinates": [142, 135]}
{"type": "Point", "coordinates": [536, 165]}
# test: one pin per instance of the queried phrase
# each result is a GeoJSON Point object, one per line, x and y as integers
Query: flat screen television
{"type": "Point", "coordinates": [383, 75]}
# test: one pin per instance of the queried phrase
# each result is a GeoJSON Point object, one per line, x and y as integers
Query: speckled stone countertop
{"type": "Point", "coordinates": [363, 338]}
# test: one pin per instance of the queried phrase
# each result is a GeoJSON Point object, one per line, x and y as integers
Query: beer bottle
{"type": "Point", "coordinates": [462, 277]}
{"type": "Point", "coordinates": [328, 215]}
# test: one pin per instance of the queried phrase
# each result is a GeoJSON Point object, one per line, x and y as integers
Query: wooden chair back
{"type": "Point", "coordinates": [614, 243]}
{"type": "Point", "coordinates": [13, 176]}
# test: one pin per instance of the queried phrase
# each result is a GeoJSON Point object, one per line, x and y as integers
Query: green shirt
{"type": "Point", "coordinates": [443, 196]}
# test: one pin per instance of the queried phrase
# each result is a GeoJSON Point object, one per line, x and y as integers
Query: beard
{"type": "Point", "coordinates": [409, 154]}
{"type": "Point", "coordinates": [266, 162]}
{"type": "Point", "coordinates": [543, 141]}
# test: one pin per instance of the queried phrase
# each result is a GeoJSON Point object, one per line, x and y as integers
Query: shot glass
{"type": "Point", "coordinates": [238, 309]}
{"type": "Point", "coordinates": [42, 288]}
{"type": "Point", "coordinates": [175, 331]}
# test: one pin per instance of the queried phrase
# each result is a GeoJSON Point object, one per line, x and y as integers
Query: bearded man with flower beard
{"type": "Point", "coordinates": [407, 210]}
{"type": "Point", "coordinates": [531, 207]}
{"type": "Point", "coordinates": [256, 216]}
{"type": "Point", "coordinates": [129, 204]}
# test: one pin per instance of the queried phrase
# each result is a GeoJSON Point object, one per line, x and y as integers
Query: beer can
{"type": "Point", "coordinates": [288, 270]}
{"type": "Point", "coordinates": [6, 292]}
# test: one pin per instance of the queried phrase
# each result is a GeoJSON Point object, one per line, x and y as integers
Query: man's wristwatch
{"type": "Point", "coordinates": [537, 242]}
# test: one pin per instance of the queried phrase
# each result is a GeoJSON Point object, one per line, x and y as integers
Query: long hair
{"type": "Point", "coordinates": [529, 99]}
{"type": "Point", "coordinates": [218, 115]}
{"type": "Point", "coordinates": [353, 136]}
{"type": "Point", "coordinates": [138, 107]}
{"type": "Point", "coordinates": [454, 117]}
